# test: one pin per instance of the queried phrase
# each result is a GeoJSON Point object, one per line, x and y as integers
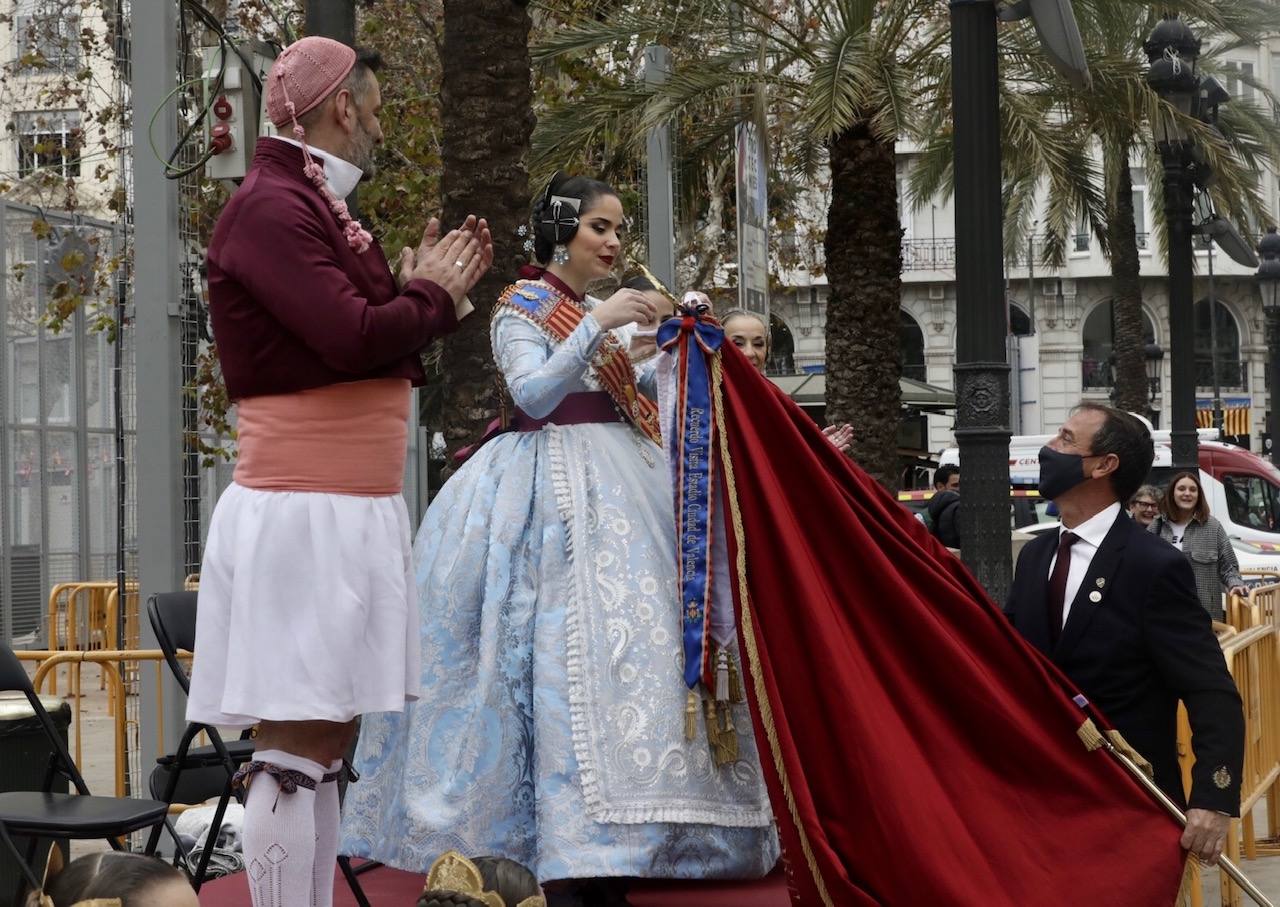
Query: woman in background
{"type": "Point", "coordinates": [749, 333]}
{"type": "Point", "coordinates": [1186, 523]}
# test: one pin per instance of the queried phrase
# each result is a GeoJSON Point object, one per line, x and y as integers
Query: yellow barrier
{"type": "Point", "coordinates": [98, 601]}
{"type": "Point", "coordinates": [108, 661]}
{"type": "Point", "coordinates": [1253, 658]}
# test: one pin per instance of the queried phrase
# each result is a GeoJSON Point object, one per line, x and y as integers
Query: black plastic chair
{"type": "Point", "coordinates": [191, 774]}
{"type": "Point", "coordinates": [37, 814]}
{"type": "Point", "coordinates": [195, 774]}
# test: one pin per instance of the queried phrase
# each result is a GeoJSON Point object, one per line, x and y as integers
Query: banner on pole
{"type": "Point", "coordinates": [753, 220]}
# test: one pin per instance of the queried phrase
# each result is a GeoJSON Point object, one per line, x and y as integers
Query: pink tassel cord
{"type": "Point", "coordinates": [358, 238]}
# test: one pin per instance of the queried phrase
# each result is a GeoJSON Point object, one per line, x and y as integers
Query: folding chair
{"type": "Point", "coordinates": [37, 814]}
{"type": "Point", "coordinates": [173, 618]}
{"type": "Point", "coordinates": [210, 768]}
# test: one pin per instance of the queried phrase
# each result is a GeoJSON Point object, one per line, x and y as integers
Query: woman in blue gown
{"type": "Point", "coordinates": [551, 724]}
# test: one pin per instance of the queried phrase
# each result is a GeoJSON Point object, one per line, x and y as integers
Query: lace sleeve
{"type": "Point", "coordinates": [537, 376]}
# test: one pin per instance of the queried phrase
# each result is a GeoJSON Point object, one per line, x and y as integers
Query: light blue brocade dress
{"type": "Point", "coordinates": [550, 728]}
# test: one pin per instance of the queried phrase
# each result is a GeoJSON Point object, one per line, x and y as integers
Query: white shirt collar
{"type": "Point", "coordinates": [341, 176]}
{"type": "Point", "coordinates": [1095, 529]}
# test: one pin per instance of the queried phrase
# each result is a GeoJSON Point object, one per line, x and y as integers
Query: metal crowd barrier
{"type": "Point", "coordinates": [109, 662]}
{"type": "Point", "coordinates": [1251, 647]}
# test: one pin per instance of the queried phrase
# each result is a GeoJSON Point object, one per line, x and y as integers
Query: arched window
{"type": "Point", "coordinates": [1099, 334]}
{"type": "Point", "coordinates": [1230, 368]}
{"type": "Point", "coordinates": [912, 344]}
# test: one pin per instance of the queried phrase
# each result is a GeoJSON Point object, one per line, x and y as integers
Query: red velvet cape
{"type": "Point", "coordinates": [918, 751]}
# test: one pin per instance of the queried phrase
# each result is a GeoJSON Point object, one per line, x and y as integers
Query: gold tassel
{"type": "Point", "coordinates": [722, 737]}
{"type": "Point", "coordinates": [1089, 735]}
{"type": "Point", "coordinates": [722, 675]}
{"type": "Point", "coordinates": [691, 716]}
{"type": "Point", "coordinates": [735, 682]}
{"type": "Point", "coordinates": [1134, 756]}
{"type": "Point", "coordinates": [728, 734]}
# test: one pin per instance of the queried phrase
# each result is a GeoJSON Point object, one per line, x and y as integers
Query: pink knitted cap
{"type": "Point", "coordinates": [306, 72]}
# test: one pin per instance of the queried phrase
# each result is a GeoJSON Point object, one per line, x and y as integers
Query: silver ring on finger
{"type": "Point", "coordinates": [460, 263]}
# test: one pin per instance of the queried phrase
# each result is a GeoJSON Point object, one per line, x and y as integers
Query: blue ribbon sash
{"type": "Point", "coordinates": [693, 338]}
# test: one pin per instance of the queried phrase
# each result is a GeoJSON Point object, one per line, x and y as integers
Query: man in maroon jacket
{"type": "Point", "coordinates": [307, 616]}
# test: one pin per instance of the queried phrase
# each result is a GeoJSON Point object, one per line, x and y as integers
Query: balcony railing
{"type": "Point", "coordinates": [928, 255]}
{"type": "Point", "coordinates": [1231, 374]}
{"type": "Point", "coordinates": [940, 254]}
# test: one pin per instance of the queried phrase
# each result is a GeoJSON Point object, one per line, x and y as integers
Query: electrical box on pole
{"type": "Point", "coordinates": [233, 105]}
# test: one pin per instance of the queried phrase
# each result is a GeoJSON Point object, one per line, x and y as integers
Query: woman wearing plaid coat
{"type": "Point", "coordinates": [1185, 522]}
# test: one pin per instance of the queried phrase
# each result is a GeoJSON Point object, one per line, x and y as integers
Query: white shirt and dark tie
{"type": "Point", "coordinates": [1083, 543]}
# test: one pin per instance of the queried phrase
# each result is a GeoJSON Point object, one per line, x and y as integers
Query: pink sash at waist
{"type": "Point", "coordinates": [339, 439]}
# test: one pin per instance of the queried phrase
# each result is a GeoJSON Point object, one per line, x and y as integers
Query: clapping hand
{"type": "Point", "coordinates": [455, 262]}
{"type": "Point", "coordinates": [840, 436]}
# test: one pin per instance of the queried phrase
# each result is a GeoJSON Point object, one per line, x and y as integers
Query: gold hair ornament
{"type": "Point", "coordinates": [454, 872]}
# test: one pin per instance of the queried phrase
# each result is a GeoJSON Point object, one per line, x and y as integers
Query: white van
{"type": "Point", "coordinates": [1243, 489]}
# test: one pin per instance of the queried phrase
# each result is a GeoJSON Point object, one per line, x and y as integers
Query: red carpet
{"type": "Point", "coordinates": [771, 891]}
{"type": "Point", "coordinates": [386, 887]}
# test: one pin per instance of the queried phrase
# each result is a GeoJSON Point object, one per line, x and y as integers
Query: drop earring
{"type": "Point", "coordinates": [561, 255]}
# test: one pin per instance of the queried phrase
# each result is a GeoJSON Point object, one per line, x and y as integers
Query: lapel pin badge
{"type": "Point", "coordinates": [1095, 596]}
{"type": "Point", "coordinates": [1101, 581]}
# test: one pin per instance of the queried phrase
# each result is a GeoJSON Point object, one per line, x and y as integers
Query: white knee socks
{"type": "Point", "coordinates": [280, 832]}
{"type": "Point", "coordinates": [327, 821]}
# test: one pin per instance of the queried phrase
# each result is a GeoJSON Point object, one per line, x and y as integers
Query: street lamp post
{"type": "Point", "coordinates": [1173, 50]}
{"type": "Point", "coordinates": [981, 371]}
{"type": "Point", "coordinates": [1154, 356]}
{"type": "Point", "coordinates": [1269, 285]}
{"type": "Point", "coordinates": [982, 313]}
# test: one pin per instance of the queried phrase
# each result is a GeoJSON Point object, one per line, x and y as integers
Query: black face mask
{"type": "Point", "coordinates": [1059, 472]}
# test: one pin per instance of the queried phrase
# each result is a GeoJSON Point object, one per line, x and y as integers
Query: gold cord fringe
{"type": "Point", "coordinates": [691, 716]}
{"type": "Point", "coordinates": [1134, 756]}
{"type": "Point", "coordinates": [1092, 739]}
{"type": "Point", "coordinates": [1089, 735]}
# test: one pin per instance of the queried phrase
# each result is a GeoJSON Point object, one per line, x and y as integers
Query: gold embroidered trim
{"type": "Point", "coordinates": [749, 637]}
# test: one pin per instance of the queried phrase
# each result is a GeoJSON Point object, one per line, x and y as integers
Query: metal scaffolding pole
{"type": "Point", "coordinates": [662, 252]}
{"type": "Point", "coordinates": [157, 253]}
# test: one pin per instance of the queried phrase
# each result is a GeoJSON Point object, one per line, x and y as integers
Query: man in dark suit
{"type": "Point", "coordinates": [1116, 609]}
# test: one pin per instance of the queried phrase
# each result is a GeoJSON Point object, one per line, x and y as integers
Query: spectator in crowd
{"type": "Point", "coordinates": [944, 506]}
{"type": "Point", "coordinates": [1144, 506]}
{"type": "Point", "coordinates": [134, 879]}
{"type": "Point", "coordinates": [749, 333]}
{"type": "Point", "coordinates": [1185, 522]}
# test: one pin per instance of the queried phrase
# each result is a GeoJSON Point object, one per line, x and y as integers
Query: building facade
{"type": "Point", "coordinates": [1060, 329]}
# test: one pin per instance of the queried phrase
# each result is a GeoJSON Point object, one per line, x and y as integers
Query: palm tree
{"type": "Point", "coordinates": [839, 74]}
{"type": "Point", "coordinates": [1048, 119]}
{"type": "Point", "coordinates": [487, 119]}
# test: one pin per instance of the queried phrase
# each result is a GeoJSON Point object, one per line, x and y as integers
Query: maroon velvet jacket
{"type": "Point", "coordinates": [293, 306]}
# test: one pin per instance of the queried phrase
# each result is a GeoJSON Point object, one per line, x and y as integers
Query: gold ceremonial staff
{"type": "Point", "coordinates": [658, 284]}
{"type": "Point", "coordinates": [1231, 869]}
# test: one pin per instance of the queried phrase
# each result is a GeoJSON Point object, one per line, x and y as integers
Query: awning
{"type": "Point", "coordinates": [1235, 415]}
{"type": "Point", "coordinates": [811, 390]}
